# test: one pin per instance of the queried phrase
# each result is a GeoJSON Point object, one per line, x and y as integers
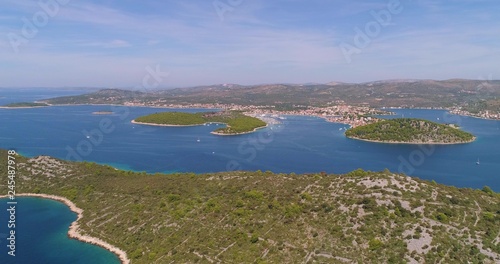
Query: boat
{"type": "Point", "coordinates": [198, 140]}
{"type": "Point", "coordinates": [477, 162]}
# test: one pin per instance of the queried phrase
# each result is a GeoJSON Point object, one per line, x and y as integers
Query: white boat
{"type": "Point", "coordinates": [477, 162]}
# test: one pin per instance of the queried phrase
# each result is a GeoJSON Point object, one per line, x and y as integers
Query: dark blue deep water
{"type": "Point", "coordinates": [299, 144]}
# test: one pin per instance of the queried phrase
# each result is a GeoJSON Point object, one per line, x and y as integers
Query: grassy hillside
{"type": "Point", "coordinates": [261, 217]}
{"type": "Point", "coordinates": [236, 121]}
{"type": "Point", "coordinates": [409, 130]}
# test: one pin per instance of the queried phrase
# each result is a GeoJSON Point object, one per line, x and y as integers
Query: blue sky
{"type": "Point", "coordinates": [113, 43]}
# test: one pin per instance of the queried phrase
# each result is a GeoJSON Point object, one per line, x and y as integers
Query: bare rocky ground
{"type": "Point", "coordinates": [261, 217]}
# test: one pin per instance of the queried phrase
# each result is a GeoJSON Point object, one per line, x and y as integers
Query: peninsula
{"type": "Point", "coordinates": [263, 217]}
{"type": "Point", "coordinates": [25, 105]}
{"type": "Point", "coordinates": [466, 97]}
{"type": "Point", "coordinates": [410, 131]}
{"type": "Point", "coordinates": [237, 122]}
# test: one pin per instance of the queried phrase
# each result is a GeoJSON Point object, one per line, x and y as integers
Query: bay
{"type": "Point", "coordinates": [41, 228]}
{"type": "Point", "coordinates": [300, 144]}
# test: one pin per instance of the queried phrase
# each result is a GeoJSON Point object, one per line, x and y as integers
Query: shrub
{"type": "Point", "coordinates": [488, 190]}
{"type": "Point", "coordinates": [375, 244]}
{"type": "Point", "coordinates": [442, 217]}
{"type": "Point", "coordinates": [254, 239]}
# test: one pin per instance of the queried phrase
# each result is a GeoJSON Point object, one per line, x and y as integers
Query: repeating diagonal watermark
{"type": "Point", "coordinates": [484, 85]}
{"type": "Point", "coordinates": [249, 149]}
{"type": "Point", "coordinates": [416, 158]}
{"type": "Point", "coordinates": [153, 78]}
{"type": "Point", "coordinates": [364, 36]}
{"type": "Point", "coordinates": [31, 26]}
{"type": "Point", "coordinates": [94, 137]}
{"type": "Point", "coordinates": [224, 6]}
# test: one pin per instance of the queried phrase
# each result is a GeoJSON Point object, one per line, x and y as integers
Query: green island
{"type": "Point", "coordinates": [263, 217]}
{"type": "Point", "coordinates": [25, 104]}
{"type": "Point", "coordinates": [410, 131]}
{"type": "Point", "coordinates": [237, 122]}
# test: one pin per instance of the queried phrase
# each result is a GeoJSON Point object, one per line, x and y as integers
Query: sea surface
{"type": "Point", "coordinates": [297, 144]}
{"type": "Point", "coordinates": [41, 235]}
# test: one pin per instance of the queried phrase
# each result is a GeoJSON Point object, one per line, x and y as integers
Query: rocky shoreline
{"type": "Point", "coordinates": [235, 134]}
{"type": "Point", "coordinates": [164, 125]}
{"type": "Point", "coordinates": [413, 143]}
{"type": "Point", "coordinates": [214, 133]}
{"type": "Point", "coordinates": [74, 231]}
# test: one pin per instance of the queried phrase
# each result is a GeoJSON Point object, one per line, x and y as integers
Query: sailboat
{"type": "Point", "coordinates": [477, 162]}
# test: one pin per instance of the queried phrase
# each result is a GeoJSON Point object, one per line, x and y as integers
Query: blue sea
{"type": "Point", "coordinates": [41, 235]}
{"type": "Point", "coordinates": [298, 144]}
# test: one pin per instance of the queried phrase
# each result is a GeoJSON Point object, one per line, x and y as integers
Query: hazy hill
{"type": "Point", "coordinates": [396, 93]}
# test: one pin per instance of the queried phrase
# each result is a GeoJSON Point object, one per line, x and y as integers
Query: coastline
{"type": "Point", "coordinates": [193, 107]}
{"type": "Point", "coordinates": [167, 125]}
{"type": "Point", "coordinates": [73, 231]}
{"type": "Point", "coordinates": [213, 132]}
{"type": "Point", "coordinates": [22, 107]}
{"type": "Point", "coordinates": [145, 106]}
{"type": "Point", "coordinates": [241, 133]}
{"type": "Point", "coordinates": [413, 143]}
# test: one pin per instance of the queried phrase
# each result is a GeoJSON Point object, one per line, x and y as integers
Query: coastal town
{"type": "Point", "coordinates": [338, 113]}
{"type": "Point", "coordinates": [481, 114]}
{"type": "Point", "coordinates": [341, 113]}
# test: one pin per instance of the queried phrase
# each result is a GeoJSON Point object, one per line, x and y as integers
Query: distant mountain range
{"type": "Point", "coordinates": [388, 93]}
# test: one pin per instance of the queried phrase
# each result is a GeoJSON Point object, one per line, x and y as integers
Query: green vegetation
{"type": "Point", "coordinates": [236, 121]}
{"type": "Point", "coordinates": [26, 104]}
{"type": "Point", "coordinates": [173, 118]}
{"type": "Point", "coordinates": [257, 217]}
{"type": "Point", "coordinates": [410, 130]}
{"type": "Point", "coordinates": [477, 106]}
{"type": "Point", "coordinates": [410, 94]}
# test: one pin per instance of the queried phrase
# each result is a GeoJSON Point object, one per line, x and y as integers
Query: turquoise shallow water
{"type": "Point", "coordinates": [41, 235]}
{"type": "Point", "coordinates": [299, 144]}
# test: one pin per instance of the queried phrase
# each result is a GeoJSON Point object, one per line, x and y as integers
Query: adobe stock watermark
{"type": "Point", "coordinates": [224, 6]}
{"type": "Point", "coordinates": [153, 78]}
{"type": "Point", "coordinates": [48, 9]}
{"type": "Point", "coordinates": [417, 157]}
{"type": "Point", "coordinates": [94, 137]}
{"type": "Point", "coordinates": [484, 85]}
{"type": "Point", "coordinates": [250, 147]}
{"type": "Point", "coordinates": [363, 37]}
